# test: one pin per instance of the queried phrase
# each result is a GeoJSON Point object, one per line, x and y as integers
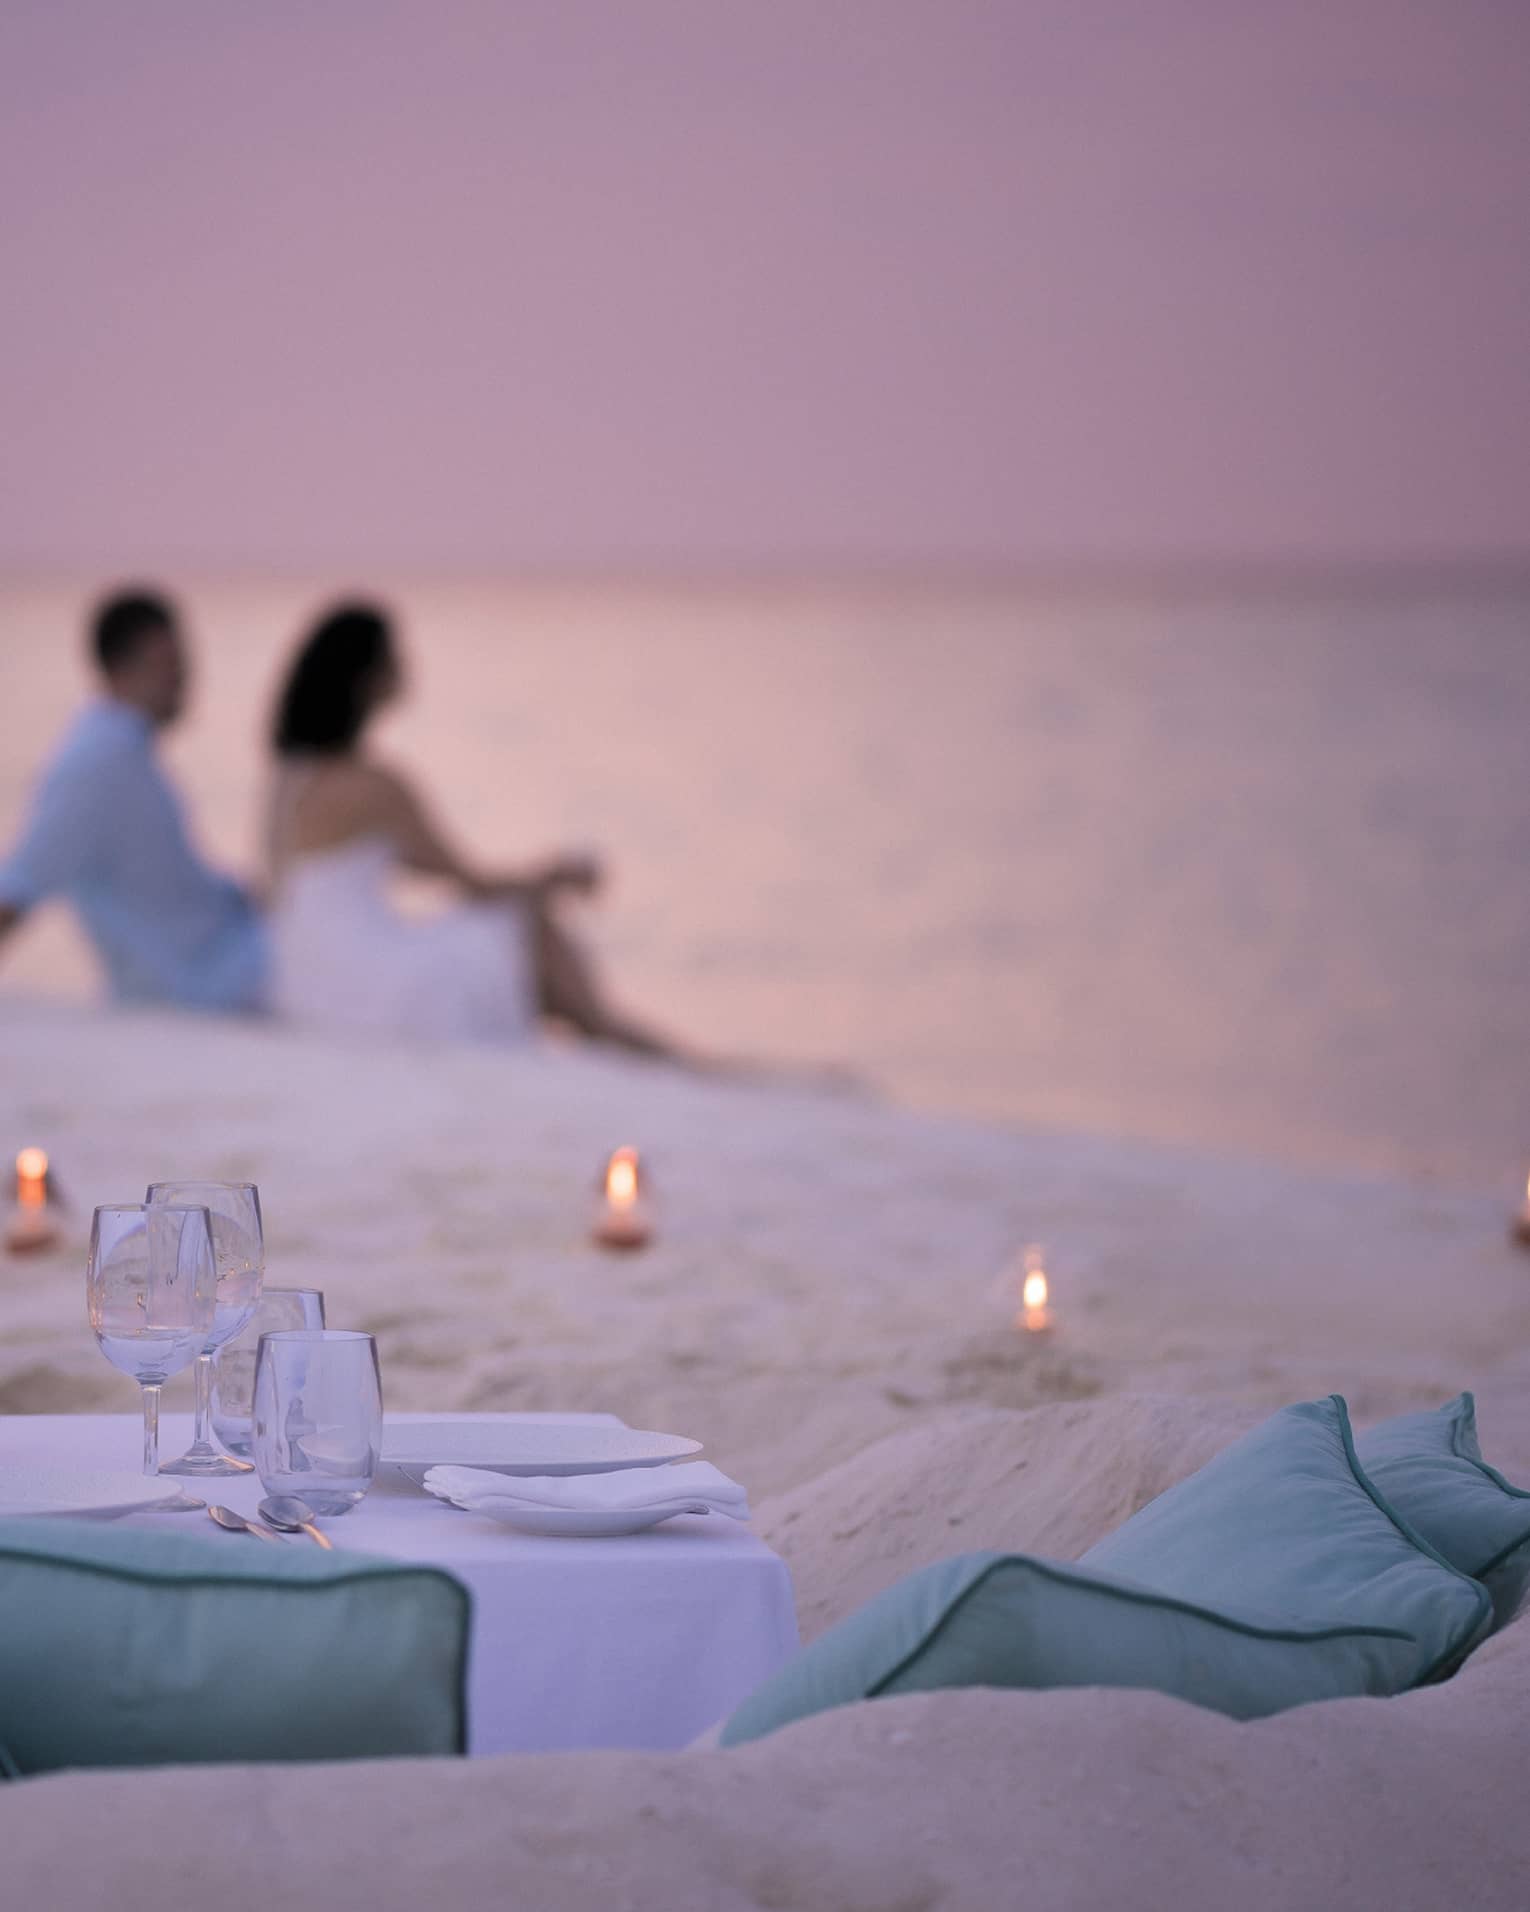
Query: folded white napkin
{"type": "Point", "coordinates": [693, 1487]}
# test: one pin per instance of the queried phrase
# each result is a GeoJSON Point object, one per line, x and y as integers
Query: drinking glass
{"type": "Point", "coordinates": [318, 1416]}
{"type": "Point", "coordinates": [234, 1364]}
{"type": "Point", "coordinates": [151, 1283]}
{"type": "Point", "coordinates": [239, 1248]}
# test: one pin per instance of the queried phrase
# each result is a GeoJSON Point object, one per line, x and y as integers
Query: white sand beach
{"type": "Point", "coordinates": [819, 1308]}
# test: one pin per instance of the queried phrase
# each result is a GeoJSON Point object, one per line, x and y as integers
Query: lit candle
{"type": "Point", "coordinates": [1035, 1316]}
{"type": "Point", "coordinates": [623, 1220]}
{"type": "Point", "coordinates": [1521, 1228]}
{"type": "Point", "coordinates": [29, 1227]}
{"type": "Point", "coordinates": [31, 1179]}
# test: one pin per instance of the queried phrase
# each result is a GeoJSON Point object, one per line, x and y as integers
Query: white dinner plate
{"type": "Point", "coordinates": [74, 1490]}
{"type": "Point", "coordinates": [575, 1523]}
{"type": "Point", "coordinates": [506, 1447]}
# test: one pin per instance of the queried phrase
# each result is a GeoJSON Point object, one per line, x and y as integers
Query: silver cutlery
{"type": "Point", "coordinates": [292, 1516]}
{"type": "Point", "coordinates": [237, 1524]}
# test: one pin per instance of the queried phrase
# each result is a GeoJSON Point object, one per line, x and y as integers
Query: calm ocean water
{"type": "Point", "coordinates": [1252, 872]}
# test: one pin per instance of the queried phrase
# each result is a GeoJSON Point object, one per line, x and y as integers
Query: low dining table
{"type": "Point", "coordinates": [640, 1641]}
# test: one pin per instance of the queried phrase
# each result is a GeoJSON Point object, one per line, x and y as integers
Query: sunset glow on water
{"type": "Point", "coordinates": [1248, 873]}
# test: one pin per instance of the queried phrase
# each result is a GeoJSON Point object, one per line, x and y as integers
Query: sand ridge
{"type": "Point", "coordinates": [825, 1268]}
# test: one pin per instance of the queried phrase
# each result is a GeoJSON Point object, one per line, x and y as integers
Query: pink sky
{"type": "Point", "coordinates": [656, 284]}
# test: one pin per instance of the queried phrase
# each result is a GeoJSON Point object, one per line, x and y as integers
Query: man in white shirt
{"type": "Point", "coordinates": [106, 833]}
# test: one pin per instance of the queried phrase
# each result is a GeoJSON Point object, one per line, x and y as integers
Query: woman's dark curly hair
{"type": "Point", "coordinates": [325, 700]}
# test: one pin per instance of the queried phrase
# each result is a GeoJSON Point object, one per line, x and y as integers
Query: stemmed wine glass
{"type": "Point", "coordinates": [151, 1285]}
{"type": "Point", "coordinates": [234, 1365]}
{"type": "Point", "coordinates": [239, 1250]}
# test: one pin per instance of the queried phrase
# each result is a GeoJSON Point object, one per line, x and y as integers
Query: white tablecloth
{"type": "Point", "coordinates": [643, 1641]}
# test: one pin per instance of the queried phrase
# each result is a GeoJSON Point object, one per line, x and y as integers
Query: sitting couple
{"type": "Point", "coordinates": [106, 832]}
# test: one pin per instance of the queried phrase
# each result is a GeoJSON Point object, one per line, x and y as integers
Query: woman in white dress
{"type": "Point", "coordinates": [341, 824]}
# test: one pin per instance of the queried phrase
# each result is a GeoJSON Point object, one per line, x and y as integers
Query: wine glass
{"type": "Point", "coordinates": [151, 1285]}
{"type": "Point", "coordinates": [239, 1249]}
{"type": "Point", "coordinates": [234, 1363]}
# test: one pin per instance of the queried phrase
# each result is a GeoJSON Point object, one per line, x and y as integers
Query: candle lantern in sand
{"type": "Point", "coordinates": [624, 1219]}
{"type": "Point", "coordinates": [31, 1227]}
{"type": "Point", "coordinates": [1035, 1316]}
{"type": "Point", "coordinates": [1521, 1229]}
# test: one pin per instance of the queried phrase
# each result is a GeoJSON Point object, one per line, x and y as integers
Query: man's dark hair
{"type": "Point", "coordinates": [122, 624]}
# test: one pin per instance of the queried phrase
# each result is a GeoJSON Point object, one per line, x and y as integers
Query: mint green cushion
{"type": "Point", "coordinates": [1273, 1576]}
{"type": "Point", "coordinates": [130, 1648]}
{"type": "Point", "coordinates": [1430, 1467]}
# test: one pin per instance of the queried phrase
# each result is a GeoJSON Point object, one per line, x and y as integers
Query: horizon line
{"type": "Point", "coordinates": [1244, 574]}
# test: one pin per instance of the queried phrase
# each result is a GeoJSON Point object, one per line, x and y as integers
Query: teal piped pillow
{"type": "Point", "coordinates": [131, 1648]}
{"type": "Point", "coordinates": [1274, 1576]}
{"type": "Point", "coordinates": [1430, 1467]}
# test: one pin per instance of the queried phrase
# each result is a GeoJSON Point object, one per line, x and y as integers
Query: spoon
{"type": "Point", "coordinates": [292, 1516]}
{"type": "Point", "coordinates": [237, 1524]}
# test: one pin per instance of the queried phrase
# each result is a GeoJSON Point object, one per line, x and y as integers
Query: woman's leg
{"type": "Point", "coordinates": [567, 989]}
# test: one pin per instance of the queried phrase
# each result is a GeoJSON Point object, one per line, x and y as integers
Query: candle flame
{"type": "Point", "coordinates": [622, 1178]}
{"type": "Point", "coordinates": [1034, 1293]}
{"type": "Point", "coordinates": [32, 1178]}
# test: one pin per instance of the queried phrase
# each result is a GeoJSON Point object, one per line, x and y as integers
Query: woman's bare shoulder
{"type": "Point", "coordinates": [382, 782]}
{"type": "Point", "coordinates": [329, 780]}
{"type": "Point", "coordinates": [329, 800]}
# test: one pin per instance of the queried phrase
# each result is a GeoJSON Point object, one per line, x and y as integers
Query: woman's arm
{"type": "Point", "coordinates": [423, 846]}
